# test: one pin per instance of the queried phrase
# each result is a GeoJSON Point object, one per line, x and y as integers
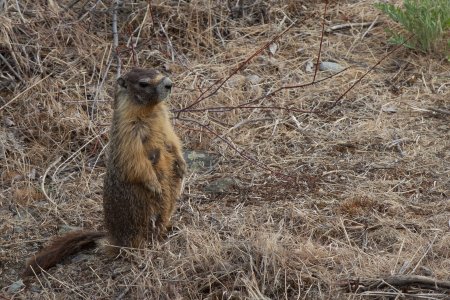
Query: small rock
{"type": "Point", "coordinates": [199, 160]}
{"type": "Point", "coordinates": [273, 48]}
{"type": "Point", "coordinates": [221, 185]}
{"type": "Point", "coordinates": [32, 174]}
{"type": "Point", "coordinates": [66, 228]}
{"type": "Point", "coordinates": [81, 257]}
{"type": "Point", "coordinates": [120, 271]}
{"type": "Point", "coordinates": [35, 288]}
{"type": "Point", "coordinates": [426, 271]}
{"type": "Point", "coordinates": [18, 229]}
{"type": "Point", "coordinates": [236, 81]}
{"type": "Point", "coordinates": [330, 66]}
{"type": "Point", "coordinates": [389, 109]}
{"type": "Point", "coordinates": [404, 267]}
{"type": "Point", "coordinates": [8, 122]}
{"type": "Point", "coordinates": [261, 59]}
{"type": "Point", "coordinates": [279, 65]}
{"type": "Point", "coordinates": [15, 287]}
{"type": "Point", "coordinates": [309, 66]}
{"type": "Point", "coordinates": [253, 79]}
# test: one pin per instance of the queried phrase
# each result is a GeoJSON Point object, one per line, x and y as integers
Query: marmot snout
{"type": "Point", "coordinates": [146, 87]}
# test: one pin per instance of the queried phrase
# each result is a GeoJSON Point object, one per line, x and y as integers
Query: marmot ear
{"type": "Point", "coordinates": [121, 82]}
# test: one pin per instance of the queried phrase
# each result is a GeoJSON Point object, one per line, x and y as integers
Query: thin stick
{"type": "Point", "coordinates": [375, 22]}
{"type": "Point", "coordinates": [220, 83]}
{"type": "Point", "coordinates": [29, 88]}
{"type": "Point", "coordinates": [397, 281]}
{"type": "Point", "coordinates": [321, 41]}
{"type": "Point", "coordinates": [20, 12]}
{"type": "Point", "coordinates": [351, 25]}
{"type": "Point", "coordinates": [439, 110]}
{"type": "Point", "coordinates": [127, 289]}
{"type": "Point", "coordinates": [116, 36]}
{"type": "Point", "coordinates": [425, 253]}
{"type": "Point", "coordinates": [43, 183]}
{"type": "Point", "coordinates": [72, 4]}
{"type": "Point", "coordinates": [365, 74]}
{"type": "Point", "coordinates": [270, 94]}
{"type": "Point", "coordinates": [10, 67]}
{"type": "Point", "coordinates": [172, 50]}
{"type": "Point", "coordinates": [89, 11]}
{"type": "Point", "coordinates": [78, 151]}
{"type": "Point", "coordinates": [240, 152]}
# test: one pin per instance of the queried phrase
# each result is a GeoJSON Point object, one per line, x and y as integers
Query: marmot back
{"type": "Point", "coordinates": [145, 166]}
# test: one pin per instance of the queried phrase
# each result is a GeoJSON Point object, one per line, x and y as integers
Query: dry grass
{"type": "Point", "coordinates": [368, 181]}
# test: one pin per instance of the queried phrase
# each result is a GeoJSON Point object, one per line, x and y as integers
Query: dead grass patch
{"type": "Point", "coordinates": [358, 191]}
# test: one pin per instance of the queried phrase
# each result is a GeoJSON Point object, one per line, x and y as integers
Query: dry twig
{"type": "Point", "coordinates": [403, 282]}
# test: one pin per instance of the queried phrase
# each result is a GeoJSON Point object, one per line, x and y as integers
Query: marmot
{"type": "Point", "coordinates": [144, 175]}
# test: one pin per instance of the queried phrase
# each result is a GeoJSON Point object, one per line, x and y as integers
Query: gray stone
{"type": "Point", "coordinates": [200, 160]}
{"type": "Point", "coordinates": [389, 109]}
{"type": "Point", "coordinates": [18, 229]}
{"type": "Point", "coordinates": [309, 66]}
{"type": "Point", "coordinates": [16, 286]}
{"type": "Point", "coordinates": [330, 66]}
{"type": "Point", "coordinates": [36, 288]}
{"type": "Point", "coordinates": [66, 228]}
{"type": "Point", "coordinates": [81, 257]}
{"type": "Point", "coordinates": [221, 185]}
{"type": "Point", "coordinates": [253, 79]}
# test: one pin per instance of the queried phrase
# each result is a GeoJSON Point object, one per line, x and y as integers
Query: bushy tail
{"type": "Point", "coordinates": [61, 248]}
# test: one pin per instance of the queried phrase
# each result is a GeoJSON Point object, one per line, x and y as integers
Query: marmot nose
{"type": "Point", "coordinates": [167, 83]}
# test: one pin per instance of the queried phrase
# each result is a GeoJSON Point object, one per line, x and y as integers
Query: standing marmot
{"type": "Point", "coordinates": [144, 174]}
{"type": "Point", "coordinates": [146, 166]}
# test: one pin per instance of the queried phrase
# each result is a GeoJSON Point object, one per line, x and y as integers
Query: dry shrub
{"type": "Point", "coordinates": [357, 206]}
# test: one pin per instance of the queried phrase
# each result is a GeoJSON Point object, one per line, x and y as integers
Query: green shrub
{"type": "Point", "coordinates": [427, 20]}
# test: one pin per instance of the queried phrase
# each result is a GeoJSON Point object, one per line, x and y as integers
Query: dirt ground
{"type": "Point", "coordinates": [295, 190]}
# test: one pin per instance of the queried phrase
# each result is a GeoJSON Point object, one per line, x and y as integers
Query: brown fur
{"type": "Point", "coordinates": [144, 173]}
{"type": "Point", "coordinates": [145, 169]}
{"type": "Point", "coordinates": [61, 248]}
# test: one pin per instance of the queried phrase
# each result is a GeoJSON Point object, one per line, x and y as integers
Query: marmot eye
{"type": "Point", "coordinates": [144, 84]}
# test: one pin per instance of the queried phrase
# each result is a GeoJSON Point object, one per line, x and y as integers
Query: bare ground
{"type": "Point", "coordinates": [318, 202]}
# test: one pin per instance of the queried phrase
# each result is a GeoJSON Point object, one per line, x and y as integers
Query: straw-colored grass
{"type": "Point", "coordinates": [360, 190]}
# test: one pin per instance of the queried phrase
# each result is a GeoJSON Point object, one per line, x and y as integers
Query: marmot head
{"type": "Point", "coordinates": [146, 86]}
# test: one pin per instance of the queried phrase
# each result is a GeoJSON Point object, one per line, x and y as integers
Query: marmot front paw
{"type": "Point", "coordinates": [154, 188]}
{"type": "Point", "coordinates": [180, 168]}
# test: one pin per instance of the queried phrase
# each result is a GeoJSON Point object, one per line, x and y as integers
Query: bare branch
{"type": "Point", "coordinates": [220, 83]}
{"type": "Point", "coordinates": [365, 74]}
{"type": "Point", "coordinates": [397, 281]}
{"type": "Point", "coordinates": [321, 41]}
{"type": "Point", "coordinates": [238, 151]}
{"type": "Point", "coordinates": [268, 95]}
{"type": "Point", "coordinates": [117, 3]}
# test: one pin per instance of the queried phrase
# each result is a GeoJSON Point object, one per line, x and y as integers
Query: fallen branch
{"type": "Point", "coordinates": [439, 110]}
{"type": "Point", "coordinates": [402, 282]}
{"type": "Point", "coordinates": [351, 25]}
